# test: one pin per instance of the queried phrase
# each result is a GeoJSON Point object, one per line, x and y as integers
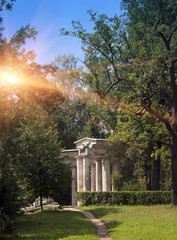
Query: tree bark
{"type": "Point", "coordinates": [174, 136]}
{"type": "Point", "coordinates": [40, 195]}
{"type": "Point", "coordinates": [174, 171]}
{"type": "Point", "coordinates": [41, 205]}
{"type": "Point", "coordinates": [148, 179]}
{"type": "Point", "coordinates": [156, 173]}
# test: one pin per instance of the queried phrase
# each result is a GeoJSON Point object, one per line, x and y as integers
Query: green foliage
{"type": "Point", "coordinates": [36, 156]}
{"type": "Point", "coordinates": [5, 222]}
{"type": "Point", "coordinates": [131, 65]}
{"type": "Point", "coordinates": [138, 185]}
{"type": "Point", "coordinates": [92, 131]}
{"type": "Point", "coordinates": [76, 116]}
{"type": "Point", "coordinates": [149, 141]}
{"type": "Point", "coordinates": [10, 193]}
{"type": "Point", "coordinates": [69, 121]}
{"type": "Point", "coordinates": [10, 198]}
{"type": "Point", "coordinates": [7, 4]}
{"type": "Point", "coordinates": [124, 198]}
{"type": "Point", "coordinates": [99, 47]}
{"type": "Point", "coordinates": [142, 132]}
{"type": "Point", "coordinates": [129, 58]}
{"type": "Point", "coordinates": [29, 146]}
{"type": "Point", "coordinates": [117, 180]}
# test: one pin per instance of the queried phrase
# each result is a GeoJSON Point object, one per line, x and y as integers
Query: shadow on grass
{"type": "Point", "coordinates": [52, 225]}
{"type": "Point", "coordinates": [101, 211]}
{"type": "Point", "coordinates": [111, 225]}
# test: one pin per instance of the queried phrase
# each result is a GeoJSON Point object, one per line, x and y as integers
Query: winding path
{"type": "Point", "coordinates": [101, 229]}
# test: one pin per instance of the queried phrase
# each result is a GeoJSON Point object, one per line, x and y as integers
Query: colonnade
{"type": "Point", "coordinates": [94, 175]}
{"type": "Point", "coordinates": [92, 165]}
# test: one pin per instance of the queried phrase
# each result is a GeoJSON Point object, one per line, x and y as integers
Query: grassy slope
{"type": "Point", "coordinates": [138, 222]}
{"type": "Point", "coordinates": [52, 225]}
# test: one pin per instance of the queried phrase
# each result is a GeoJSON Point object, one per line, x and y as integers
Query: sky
{"type": "Point", "coordinates": [49, 17]}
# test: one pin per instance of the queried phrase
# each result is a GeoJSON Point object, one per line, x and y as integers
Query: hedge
{"type": "Point", "coordinates": [124, 198]}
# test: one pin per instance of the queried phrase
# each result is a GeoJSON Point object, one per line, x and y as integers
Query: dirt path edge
{"type": "Point", "coordinates": [101, 228]}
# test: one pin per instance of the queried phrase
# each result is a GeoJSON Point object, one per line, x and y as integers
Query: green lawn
{"type": "Point", "coordinates": [123, 223]}
{"type": "Point", "coordinates": [158, 222]}
{"type": "Point", "coordinates": [52, 225]}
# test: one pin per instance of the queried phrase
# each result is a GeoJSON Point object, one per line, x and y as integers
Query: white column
{"type": "Point", "coordinates": [103, 175]}
{"type": "Point", "coordinates": [86, 180]}
{"type": "Point", "coordinates": [74, 185]}
{"type": "Point", "coordinates": [106, 175]}
{"type": "Point", "coordinates": [93, 177]}
{"type": "Point", "coordinates": [79, 174]}
{"type": "Point", "coordinates": [98, 175]}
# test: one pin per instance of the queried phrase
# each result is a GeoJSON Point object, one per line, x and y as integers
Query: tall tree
{"type": "Point", "coordinates": [74, 116]}
{"type": "Point", "coordinates": [147, 135]}
{"type": "Point", "coordinates": [33, 85]}
{"type": "Point", "coordinates": [10, 194]}
{"type": "Point", "coordinates": [36, 153]}
{"type": "Point", "coordinates": [135, 61]}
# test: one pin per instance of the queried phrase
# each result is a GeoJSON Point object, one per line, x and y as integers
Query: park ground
{"type": "Point", "coordinates": [156, 222]}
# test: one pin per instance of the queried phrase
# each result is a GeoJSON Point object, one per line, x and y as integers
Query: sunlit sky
{"type": "Point", "coordinates": [50, 16]}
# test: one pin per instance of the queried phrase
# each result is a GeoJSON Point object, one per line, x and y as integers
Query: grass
{"type": "Point", "coordinates": [52, 225]}
{"type": "Point", "coordinates": [158, 222]}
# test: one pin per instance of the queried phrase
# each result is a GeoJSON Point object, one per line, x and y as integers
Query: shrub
{"type": "Point", "coordinates": [124, 198]}
{"type": "Point", "coordinates": [10, 199]}
{"type": "Point", "coordinates": [5, 222]}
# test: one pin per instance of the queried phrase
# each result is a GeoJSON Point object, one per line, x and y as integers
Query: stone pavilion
{"type": "Point", "coordinates": [92, 162]}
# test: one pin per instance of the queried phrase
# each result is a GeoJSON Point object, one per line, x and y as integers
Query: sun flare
{"type": "Point", "coordinates": [9, 78]}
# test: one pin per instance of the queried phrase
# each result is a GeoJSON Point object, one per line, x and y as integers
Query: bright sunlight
{"type": "Point", "coordinates": [9, 78]}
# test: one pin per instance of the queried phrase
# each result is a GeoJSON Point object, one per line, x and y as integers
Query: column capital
{"type": "Point", "coordinates": [98, 159]}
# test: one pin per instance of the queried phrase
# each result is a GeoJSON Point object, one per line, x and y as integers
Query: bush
{"type": "Point", "coordinates": [5, 222]}
{"type": "Point", "coordinates": [10, 199]}
{"type": "Point", "coordinates": [124, 198]}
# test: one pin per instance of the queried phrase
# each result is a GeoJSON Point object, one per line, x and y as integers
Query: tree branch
{"type": "Point", "coordinates": [111, 86]}
{"type": "Point", "coordinates": [112, 54]}
{"type": "Point", "coordinates": [167, 41]}
{"type": "Point", "coordinates": [162, 119]}
{"type": "Point", "coordinates": [125, 38]}
{"type": "Point", "coordinates": [171, 34]}
{"type": "Point", "coordinates": [97, 49]}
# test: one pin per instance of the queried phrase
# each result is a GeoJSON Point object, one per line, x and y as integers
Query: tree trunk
{"type": "Point", "coordinates": [174, 134]}
{"type": "Point", "coordinates": [174, 171]}
{"type": "Point", "coordinates": [148, 179]}
{"type": "Point", "coordinates": [41, 205]}
{"type": "Point", "coordinates": [156, 173]}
